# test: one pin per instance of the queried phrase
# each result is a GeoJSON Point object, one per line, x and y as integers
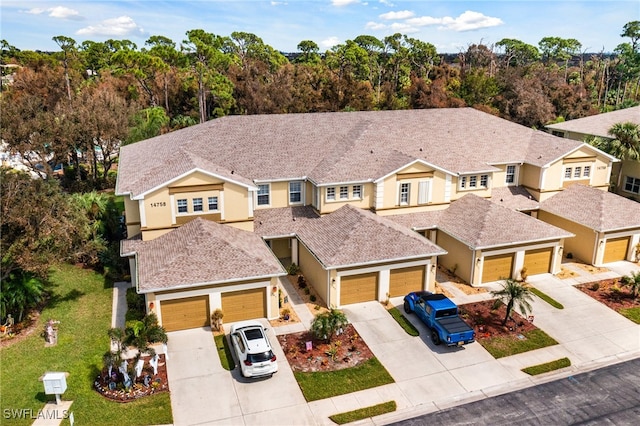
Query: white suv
{"type": "Point", "coordinates": [253, 350]}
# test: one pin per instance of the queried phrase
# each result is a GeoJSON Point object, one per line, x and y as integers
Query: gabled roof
{"type": "Point", "coordinates": [334, 147]}
{"type": "Point", "coordinates": [514, 197]}
{"type": "Point", "coordinates": [481, 224]}
{"type": "Point", "coordinates": [351, 236]}
{"type": "Point", "coordinates": [281, 222]}
{"type": "Point", "coordinates": [202, 252]}
{"type": "Point", "coordinates": [599, 124]}
{"type": "Point", "coordinates": [599, 210]}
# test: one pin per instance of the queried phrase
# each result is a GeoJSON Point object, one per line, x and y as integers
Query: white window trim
{"type": "Point", "coordinates": [268, 185]}
{"type": "Point", "coordinates": [401, 193]}
{"type": "Point", "coordinates": [516, 170]}
{"type": "Point", "coordinates": [466, 180]}
{"type": "Point", "coordinates": [301, 192]}
{"type": "Point", "coordinates": [326, 194]}
{"type": "Point", "coordinates": [572, 171]}
{"type": "Point", "coordinates": [624, 185]}
{"type": "Point", "coordinates": [217, 202]}
{"type": "Point", "coordinates": [353, 195]}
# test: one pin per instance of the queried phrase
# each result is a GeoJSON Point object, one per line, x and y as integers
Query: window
{"type": "Point", "coordinates": [331, 194]}
{"type": "Point", "coordinates": [424, 192]}
{"type": "Point", "coordinates": [344, 192]}
{"type": "Point", "coordinates": [404, 194]}
{"type": "Point", "coordinates": [463, 182]}
{"type": "Point", "coordinates": [632, 184]}
{"type": "Point", "coordinates": [511, 174]}
{"type": "Point", "coordinates": [295, 192]}
{"type": "Point", "coordinates": [182, 206]}
{"type": "Point", "coordinates": [587, 171]}
{"type": "Point", "coordinates": [473, 181]}
{"type": "Point", "coordinates": [263, 195]}
{"type": "Point", "coordinates": [567, 173]}
{"type": "Point", "coordinates": [213, 203]}
{"type": "Point", "coordinates": [577, 172]}
{"type": "Point", "coordinates": [356, 191]}
{"type": "Point", "coordinates": [197, 204]}
{"type": "Point", "coordinates": [484, 181]}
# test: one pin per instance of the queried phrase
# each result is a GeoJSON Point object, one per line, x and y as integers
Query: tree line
{"type": "Point", "coordinates": [78, 104]}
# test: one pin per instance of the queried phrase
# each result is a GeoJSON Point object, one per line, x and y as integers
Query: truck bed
{"type": "Point", "coordinates": [454, 325]}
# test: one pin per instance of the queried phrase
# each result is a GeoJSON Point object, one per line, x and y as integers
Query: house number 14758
{"type": "Point", "coordinates": [159, 204]}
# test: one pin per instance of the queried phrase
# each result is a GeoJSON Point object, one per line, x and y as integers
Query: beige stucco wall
{"type": "Point", "coordinates": [458, 258]}
{"type": "Point", "coordinates": [281, 247]}
{"type": "Point", "coordinates": [582, 246]}
{"type": "Point", "coordinates": [632, 169]}
{"type": "Point", "coordinates": [314, 273]}
{"type": "Point", "coordinates": [365, 202]}
{"type": "Point", "coordinates": [390, 192]}
{"type": "Point", "coordinates": [529, 177]}
{"type": "Point", "coordinates": [132, 216]}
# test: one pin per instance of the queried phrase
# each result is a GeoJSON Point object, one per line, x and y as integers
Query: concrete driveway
{"type": "Point", "coordinates": [202, 392]}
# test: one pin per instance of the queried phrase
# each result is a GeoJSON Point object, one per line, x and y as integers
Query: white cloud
{"type": "Point", "coordinates": [375, 26]}
{"type": "Point", "coordinates": [118, 27]}
{"type": "Point", "coordinates": [399, 27]}
{"type": "Point", "coordinates": [340, 3]}
{"type": "Point", "coordinates": [403, 14]}
{"type": "Point", "coordinates": [387, 3]}
{"type": "Point", "coordinates": [467, 21]}
{"type": "Point", "coordinates": [279, 3]}
{"type": "Point", "coordinates": [59, 12]}
{"type": "Point", "coordinates": [330, 42]}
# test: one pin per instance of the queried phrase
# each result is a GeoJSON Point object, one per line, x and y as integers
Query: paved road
{"type": "Point", "coordinates": [610, 395]}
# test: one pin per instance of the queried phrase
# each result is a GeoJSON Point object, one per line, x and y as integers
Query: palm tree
{"type": "Point", "coordinates": [514, 293]}
{"type": "Point", "coordinates": [325, 325]}
{"type": "Point", "coordinates": [19, 293]}
{"type": "Point", "coordinates": [626, 142]}
{"type": "Point", "coordinates": [141, 334]}
{"type": "Point", "coordinates": [633, 281]}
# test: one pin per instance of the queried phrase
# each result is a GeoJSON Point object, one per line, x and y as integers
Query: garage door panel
{"type": "Point", "coordinates": [244, 304]}
{"type": "Point", "coordinates": [497, 267]}
{"type": "Point", "coordinates": [182, 314]}
{"type": "Point", "coordinates": [405, 280]}
{"type": "Point", "coordinates": [358, 288]}
{"type": "Point", "coordinates": [616, 249]}
{"type": "Point", "coordinates": [538, 261]}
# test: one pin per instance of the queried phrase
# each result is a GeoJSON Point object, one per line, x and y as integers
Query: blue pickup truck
{"type": "Point", "coordinates": [440, 314]}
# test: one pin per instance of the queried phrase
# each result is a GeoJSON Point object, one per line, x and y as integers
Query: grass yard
{"type": "Point", "coordinates": [224, 352]}
{"type": "Point", "coordinates": [546, 298]}
{"type": "Point", "coordinates": [364, 413]}
{"type": "Point", "coordinates": [326, 384]}
{"type": "Point", "coordinates": [81, 301]}
{"type": "Point", "coordinates": [501, 346]}
{"type": "Point", "coordinates": [632, 313]}
{"type": "Point", "coordinates": [547, 367]}
{"type": "Point", "coordinates": [404, 322]}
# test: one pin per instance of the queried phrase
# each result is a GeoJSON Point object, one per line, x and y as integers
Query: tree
{"type": "Point", "coordinates": [518, 53]}
{"type": "Point", "coordinates": [514, 293]}
{"type": "Point", "coordinates": [20, 292]}
{"type": "Point", "coordinates": [309, 51]}
{"type": "Point", "coordinates": [633, 282]}
{"type": "Point", "coordinates": [68, 46]}
{"type": "Point", "coordinates": [326, 324]}
{"type": "Point", "coordinates": [40, 226]}
{"type": "Point", "coordinates": [148, 123]}
{"type": "Point", "coordinates": [141, 334]}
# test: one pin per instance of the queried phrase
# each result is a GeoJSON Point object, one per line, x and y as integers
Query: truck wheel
{"type": "Point", "coordinates": [407, 307]}
{"type": "Point", "coordinates": [435, 338]}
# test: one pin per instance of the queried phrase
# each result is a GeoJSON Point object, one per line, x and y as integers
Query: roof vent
{"type": "Point", "coordinates": [420, 149]}
{"type": "Point", "coordinates": [231, 171]}
{"type": "Point", "coordinates": [372, 151]}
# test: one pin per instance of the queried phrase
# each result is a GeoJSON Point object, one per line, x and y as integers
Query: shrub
{"type": "Point", "coordinates": [594, 287]}
{"type": "Point", "coordinates": [312, 297]}
{"type": "Point", "coordinates": [306, 290]}
{"type": "Point", "coordinates": [294, 269]}
{"type": "Point", "coordinates": [302, 283]}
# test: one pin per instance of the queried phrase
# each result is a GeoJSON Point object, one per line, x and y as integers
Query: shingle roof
{"type": "Point", "coordinates": [514, 197]}
{"type": "Point", "coordinates": [285, 221]}
{"type": "Point", "coordinates": [480, 223]}
{"type": "Point", "coordinates": [351, 236]}
{"type": "Point", "coordinates": [203, 252]}
{"type": "Point", "coordinates": [334, 147]}
{"type": "Point", "coordinates": [599, 124]}
{"type": "Point", "coordinates": [599, 210]}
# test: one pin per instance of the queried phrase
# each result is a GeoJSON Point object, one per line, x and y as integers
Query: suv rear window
{"type": "Point", "coordinates": [260, 357]}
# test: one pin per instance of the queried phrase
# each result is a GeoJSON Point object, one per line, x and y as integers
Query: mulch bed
{"type": "Point", "coordinates": [158, 383]}
{"type": "Point", "coordinates": [611, 293]}
{"type": "Point", "coordinates": [352, 351]}
{"type": "Point", "coordinates": [487, 322]}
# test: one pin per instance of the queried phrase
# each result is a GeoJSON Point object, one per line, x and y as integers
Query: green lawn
{"type": "Point", "coordinates": [546, 298]}
{"type": "Point", "coordinates": [81, 301]}
{"type": "Point", "coordinates": [224, 352]}
{"type": "Point", "coordinates": [500, 347]}
{"type": "Point", "coordinates": [326, 384]}
{"type": "Point", "coordinates": [404, 322]}
{"type": "Point", "coordinates": [547, 366]}
{"type": "Point", "coordinates": [364, 413]}
{"type": "Point", "coordinates": [632, 313]}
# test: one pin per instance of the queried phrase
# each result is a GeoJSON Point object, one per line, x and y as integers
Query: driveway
{"type": "Point", "coordinates": [202, 392]}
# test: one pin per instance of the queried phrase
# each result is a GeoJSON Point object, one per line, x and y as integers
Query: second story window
{"type": "Point", "coordinates": [587, 171]}
{"type": "Point", "coordinates": [567, 173]}
{"type": "Point", "coordinates": [263, 195]}
{"type": "Point", "coordinates": [577, 172]}
{"type": "Point", "coordinates": [213, 203]}
{"type": "Point", "coordinates": [463, 182]}
{"type": "Point", "coordinates": [357, 192]}
{"type": "Point", "coordinates": [473, 181]}
{"type": "Point", "coordinates": [182, 206]}
{"type": "Point", "coordinates": [197, 204]}
{"type": "Point", "coordinates": [510, 177]}
{"type": "Point", "coordinates": [484, 181]}
{"type": "Point", "coordinates": [344, 192]}
{"type": "Point", "coordinates": [295, 192]}
{"type": "Point", "coordinates": [331, 194]}
{"type": "Point", "coordinates": [404, 194]}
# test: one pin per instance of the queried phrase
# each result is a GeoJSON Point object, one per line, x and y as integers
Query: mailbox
{"type": "Point", "coordinates": [55, 383]}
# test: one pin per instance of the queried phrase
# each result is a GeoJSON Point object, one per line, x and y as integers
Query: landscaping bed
{"type": "Point", "coordinates": [347, 350]}
{"type": "Point", "coordinates": [517, 336]}
{"type": "Point", "coordinates": [155, 383]}
{"type": "Point", "coordinates": [612, 293]}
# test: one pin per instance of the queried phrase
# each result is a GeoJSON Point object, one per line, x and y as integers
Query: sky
{"type": "Point", "coordinates": [451, 26]}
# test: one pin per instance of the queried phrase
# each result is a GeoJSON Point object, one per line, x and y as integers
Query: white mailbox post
{"type": "Point", "coordinates": [55, 383]}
